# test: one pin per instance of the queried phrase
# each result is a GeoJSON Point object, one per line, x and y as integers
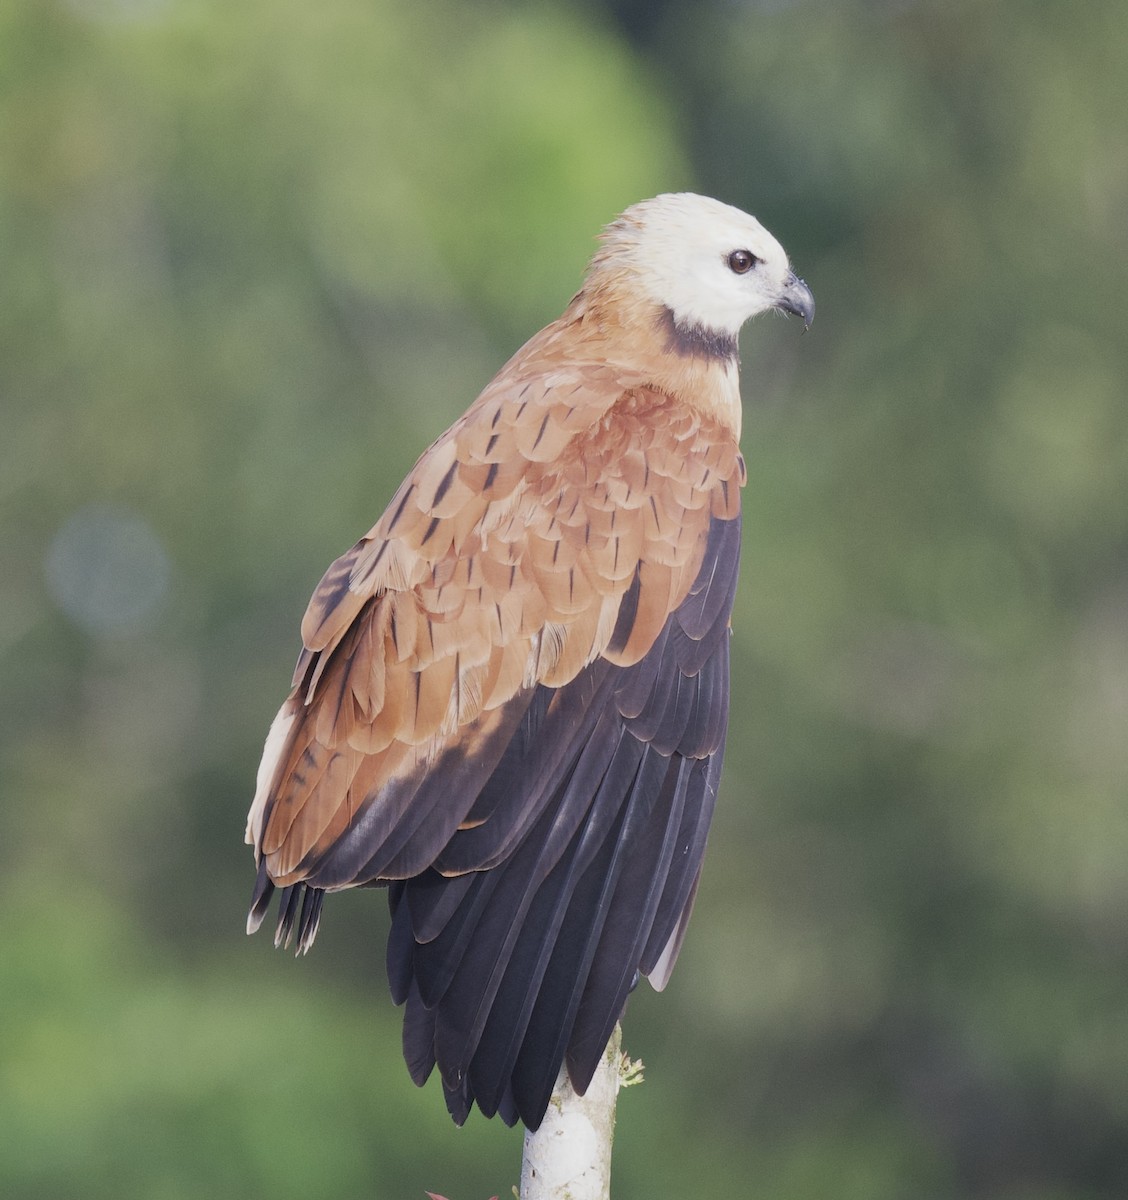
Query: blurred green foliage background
{"type": "Point", "coordinates": [255, 256]}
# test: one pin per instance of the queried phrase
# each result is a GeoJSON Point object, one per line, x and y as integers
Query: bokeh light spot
{"type": "Point", "coordinates": [107, 569]}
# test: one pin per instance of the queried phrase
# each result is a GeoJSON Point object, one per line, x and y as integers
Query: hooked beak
{"type": "Point", "coordinates": [796, 299]}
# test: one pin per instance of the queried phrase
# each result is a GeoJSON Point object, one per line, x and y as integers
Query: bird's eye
{"type": "Point", "coordinates": [742, 261]}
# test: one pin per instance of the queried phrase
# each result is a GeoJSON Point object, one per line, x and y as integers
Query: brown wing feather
{"type": "Point", "coordinates": [502, 562]}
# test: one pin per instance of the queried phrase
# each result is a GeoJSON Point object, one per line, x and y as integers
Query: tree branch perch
{"type": "Point", "coordinates": [569, 1157]}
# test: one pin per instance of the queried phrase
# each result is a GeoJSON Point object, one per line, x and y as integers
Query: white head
{"type": "Point", "coordinates": [708, 264]}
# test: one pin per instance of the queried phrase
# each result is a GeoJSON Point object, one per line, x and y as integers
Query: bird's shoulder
{"type": "Point", "coordinates": [566, 461]}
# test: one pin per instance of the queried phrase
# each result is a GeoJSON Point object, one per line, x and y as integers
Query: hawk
{"type": "Point", "coordinates": [511, 702]}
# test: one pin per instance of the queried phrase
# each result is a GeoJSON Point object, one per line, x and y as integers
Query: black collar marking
{"type": "Point", "coordinates": [697, 341]}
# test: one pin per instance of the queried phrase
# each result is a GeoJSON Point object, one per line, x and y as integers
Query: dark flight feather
{"type": "Point", "coordinates": [539, 952]}
{"type": "Point", "coordinates": [577, 859]}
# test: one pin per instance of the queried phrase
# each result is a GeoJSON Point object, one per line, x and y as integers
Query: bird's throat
{"type": "Point", "coordinates": [697, 341]}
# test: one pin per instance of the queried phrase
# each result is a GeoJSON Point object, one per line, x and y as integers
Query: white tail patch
{"type": "Point", "coordinates": [276, 742]}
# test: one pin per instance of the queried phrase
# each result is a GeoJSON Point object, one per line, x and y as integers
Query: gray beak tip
{"type": "Point", "coordinates": [797, 299]}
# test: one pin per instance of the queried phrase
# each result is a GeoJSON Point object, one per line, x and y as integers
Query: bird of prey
{"type": "Point", "coordinates": [511, 704]}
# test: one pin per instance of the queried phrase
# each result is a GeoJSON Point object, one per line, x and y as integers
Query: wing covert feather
{"type": "Point", "coordinates": [502, 562]}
